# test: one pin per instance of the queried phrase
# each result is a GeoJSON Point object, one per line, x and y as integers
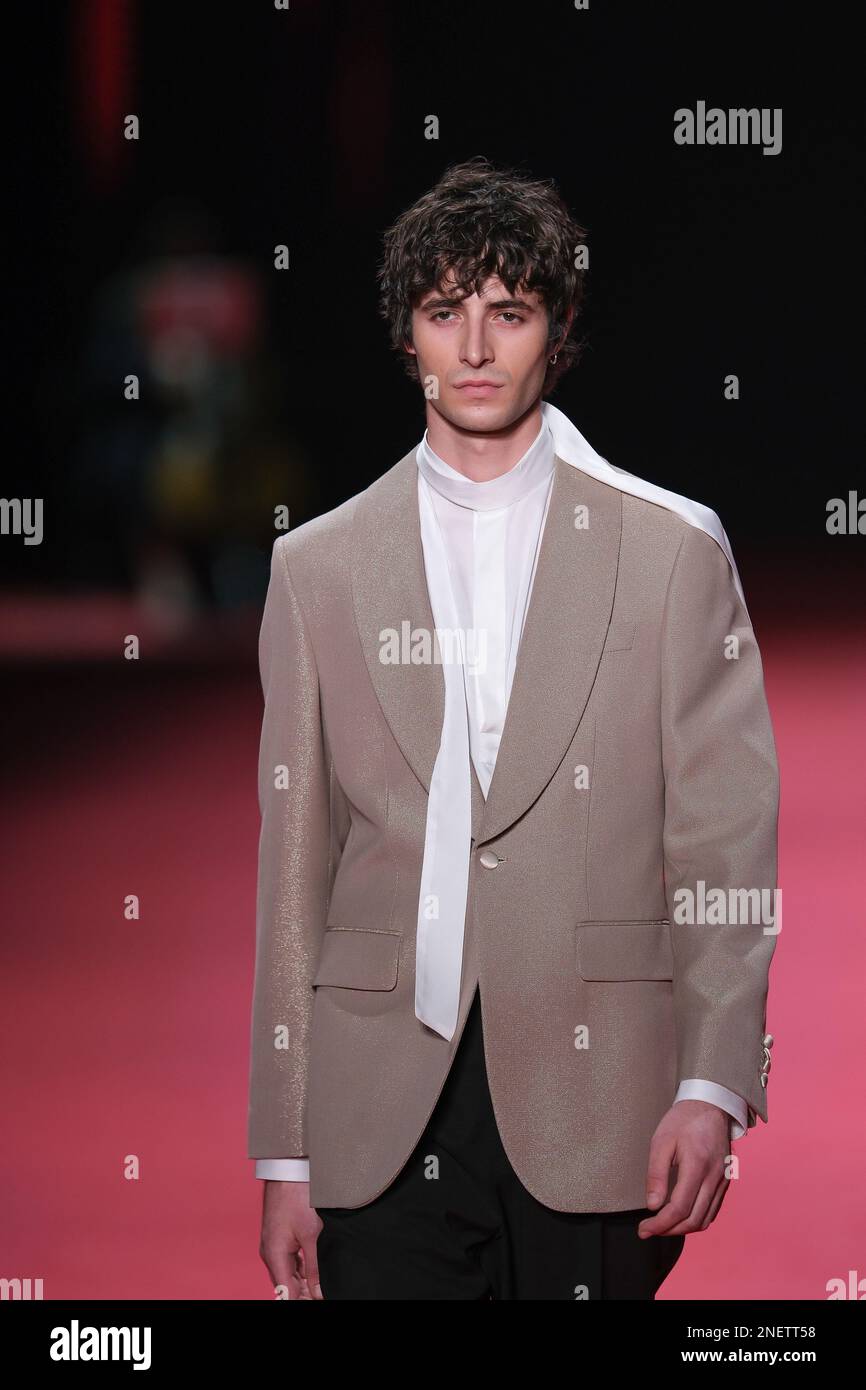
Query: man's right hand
{"type": "Point", "coordinates": [290, 1229]}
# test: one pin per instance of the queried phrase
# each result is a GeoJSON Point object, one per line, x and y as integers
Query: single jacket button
{"type": "Point", "coordinates": [488, 858]}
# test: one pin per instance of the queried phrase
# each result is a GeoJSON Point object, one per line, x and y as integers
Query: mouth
{"type": "Point", "coordinates": [478, 388]}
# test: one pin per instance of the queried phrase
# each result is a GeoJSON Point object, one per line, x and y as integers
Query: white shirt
{"type": "Point", "coordinates": [492, 533]}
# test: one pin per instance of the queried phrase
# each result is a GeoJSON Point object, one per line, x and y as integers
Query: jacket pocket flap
{"type": "Point", "coordinates": [625, 950]}
{"type": "Point", "coordinates": [356, 958]}
{"type": "Point", "coordinates": [620, 636]}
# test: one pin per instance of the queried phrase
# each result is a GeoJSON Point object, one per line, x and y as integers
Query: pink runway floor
{"type": "Point", "coordinates": [130, 1037]}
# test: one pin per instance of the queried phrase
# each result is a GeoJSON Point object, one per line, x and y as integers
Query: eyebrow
{"type": "Point", "coordinates": [446, 303]}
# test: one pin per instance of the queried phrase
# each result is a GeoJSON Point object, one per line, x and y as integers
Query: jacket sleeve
{"type": "Point", "coordinates": [293, 871]}
{"type": "Point", "coordinates": [720, 826]}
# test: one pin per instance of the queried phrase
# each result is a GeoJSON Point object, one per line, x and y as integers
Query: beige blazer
{"type": "Point", "coordinates": [637, 759]}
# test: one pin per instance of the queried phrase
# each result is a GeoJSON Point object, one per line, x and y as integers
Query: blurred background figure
{"type": "Point", "coordinates": [186, 477]}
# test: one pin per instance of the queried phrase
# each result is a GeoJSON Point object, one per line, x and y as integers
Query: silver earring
{"type": "Point", "coordinates": [554, 357]}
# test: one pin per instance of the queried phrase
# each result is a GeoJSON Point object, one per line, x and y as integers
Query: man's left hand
{"type": "Point", "coordinates": [690, 1147]}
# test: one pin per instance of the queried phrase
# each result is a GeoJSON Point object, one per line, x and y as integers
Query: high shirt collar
{"type": "Point", "coordinates": [533, 468]}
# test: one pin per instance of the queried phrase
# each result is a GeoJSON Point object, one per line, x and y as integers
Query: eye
{"type": "Point", "coordinates": [509, 313]}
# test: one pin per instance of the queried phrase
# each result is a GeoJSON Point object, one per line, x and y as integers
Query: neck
{"type": "Point", "coordinates": [482, 456]}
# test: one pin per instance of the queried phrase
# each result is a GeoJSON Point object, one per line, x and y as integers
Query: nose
{"type": "Point", "coordinates": [475, 349]}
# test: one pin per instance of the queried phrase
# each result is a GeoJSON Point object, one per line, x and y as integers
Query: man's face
{"type": "Point", "coordinates": [497, 338]}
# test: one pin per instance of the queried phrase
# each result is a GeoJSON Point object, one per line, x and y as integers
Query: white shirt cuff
{"type": "Point", "coordinates": [720, 1096]}
{"type": "Point", "coordinates": [283, 1169]}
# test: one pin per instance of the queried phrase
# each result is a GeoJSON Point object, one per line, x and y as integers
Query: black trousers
{"type": "Point", "coordinates": [457, 1222]}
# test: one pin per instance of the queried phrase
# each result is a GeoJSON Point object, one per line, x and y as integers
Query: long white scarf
{"type": "Point", "coordinates": [447, 844]}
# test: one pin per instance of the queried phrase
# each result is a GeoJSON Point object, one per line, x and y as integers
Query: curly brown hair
{"type": "Point", "coordinates": [477, 221]}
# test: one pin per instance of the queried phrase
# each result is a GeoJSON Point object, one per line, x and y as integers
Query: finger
{"type": "Point", "coordinates": [283, 1268]}
{"type": "Point", "coordinates": [692, 1220]}
{"type": "Point", "coordinates": [690, 1176]}
{"type": "Point", "coordinates": [718, 1198]}
{"type": "Point", "coordinates": [311, 1268]}
{"type": "Point", "coordinates": [305, 1295]}
{"type": "Point", "coordinates": [658, 1177]}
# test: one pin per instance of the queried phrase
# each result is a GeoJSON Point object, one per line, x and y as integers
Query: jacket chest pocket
{"type": "Point", "coordinates": [356, 958]}
{"type": "Point", "coordinates": [639, 950]}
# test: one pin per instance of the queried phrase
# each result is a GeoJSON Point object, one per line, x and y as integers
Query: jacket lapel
{"type": "Point", "coordinates": [569, 610]}
{"type": "Point", "coordinates": [389, 587]}
{"type": "Point", "coordinates": [563, 636]}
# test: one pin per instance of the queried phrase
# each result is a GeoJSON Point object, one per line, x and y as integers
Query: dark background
{"type": "Point", "coordinates": [306, 127]}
